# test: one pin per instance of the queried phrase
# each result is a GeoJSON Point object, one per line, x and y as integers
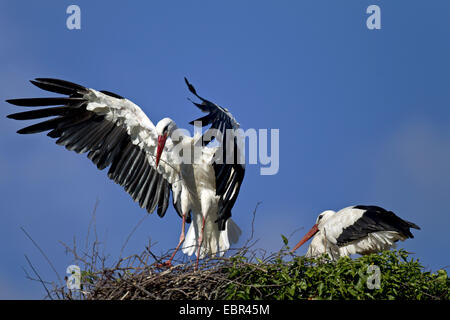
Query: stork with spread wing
{"type": "Point", "coordinates": [143, 158]}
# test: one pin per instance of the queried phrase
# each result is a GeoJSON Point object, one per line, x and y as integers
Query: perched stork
{"type": "Point", "coordinates": [141, 157]}
{"type": "Point", "coordinates": [355, 229]}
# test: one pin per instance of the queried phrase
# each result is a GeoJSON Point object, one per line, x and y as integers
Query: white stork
{"type": "Point", "coordinates": [356, 229]}
{"type": "Point", "coordinates": [141, 157]}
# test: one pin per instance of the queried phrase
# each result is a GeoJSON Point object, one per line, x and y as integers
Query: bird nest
{"type": "Point", "coordinates": [247, 274]}
{"type": "Point", "coordinates": [140, 277]}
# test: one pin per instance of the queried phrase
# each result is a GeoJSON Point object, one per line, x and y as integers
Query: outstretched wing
{"type": "Point", "coordinates": [114, 131]}
{"type": "Point", "coordinates": [229, 174]}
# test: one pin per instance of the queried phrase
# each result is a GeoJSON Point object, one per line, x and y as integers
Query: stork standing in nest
{"type": "Point", "coordinates": [356, 229]}
{"type": "Point", "coordinates": [145, 159]}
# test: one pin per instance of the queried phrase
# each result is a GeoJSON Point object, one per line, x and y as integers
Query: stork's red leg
{"type": "Point", "coordinates": [200, 241]}
{"type": "Point", "coordinates": [168, 263]}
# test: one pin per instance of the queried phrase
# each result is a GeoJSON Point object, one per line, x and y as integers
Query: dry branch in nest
{"type": "Point", "coordinates": [138, 277]}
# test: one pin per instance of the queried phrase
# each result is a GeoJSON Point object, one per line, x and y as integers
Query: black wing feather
{"type": "Point", "coordinates": [40, 102]}
{"type": "Point", "coordinates": [53, 87]}
{"type": "Point", "coordinates": [375, 219]}
{"type": "Point", "coordinates": [36, 114]}
{"type": "Point", "coordinates": [229, 176]}
{"type": "Point", "coordinates": [107, 143]}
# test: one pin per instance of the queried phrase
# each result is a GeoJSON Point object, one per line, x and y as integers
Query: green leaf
{"type": "Point", "coordinates": [285, 240]}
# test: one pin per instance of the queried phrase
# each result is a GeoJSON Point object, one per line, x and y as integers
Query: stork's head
{"type": "Point", "coordinates": [321, 219]}
{"type": "Point", "coordinates": [164, 129]}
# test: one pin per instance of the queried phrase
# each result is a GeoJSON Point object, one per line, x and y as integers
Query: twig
{"type": "Point", "coordinates": [43, 253]}
{"type": "Point", "coordinates": [39, 277]}
{"type": "Point", "coordinates": [92, 221]}
{"type": "Point", "coordinates": [253, 219]}
{"type": "Point", "coordinates": [131, 233]}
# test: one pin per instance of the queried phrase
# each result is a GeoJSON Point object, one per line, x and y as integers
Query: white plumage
{"type": "Point", "coordinates": [145, 159]}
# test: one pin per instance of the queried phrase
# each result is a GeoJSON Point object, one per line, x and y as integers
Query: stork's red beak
{"type": "Point", "coordinates": [161, 143]}
{"type": "Point", "coordinates": [307, 236]}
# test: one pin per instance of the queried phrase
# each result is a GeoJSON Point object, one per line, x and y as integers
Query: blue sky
{"type": "Point", "coordinates": [363, 116]}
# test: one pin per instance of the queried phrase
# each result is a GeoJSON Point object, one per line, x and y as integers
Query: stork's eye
{"type": "Point", "coordinates": [320, 217]}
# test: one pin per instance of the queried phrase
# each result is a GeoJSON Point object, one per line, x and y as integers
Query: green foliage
{"type": "Point", "coordinates": [285, 276]}
{"type": "Point", "coordinates": [88, 277]}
